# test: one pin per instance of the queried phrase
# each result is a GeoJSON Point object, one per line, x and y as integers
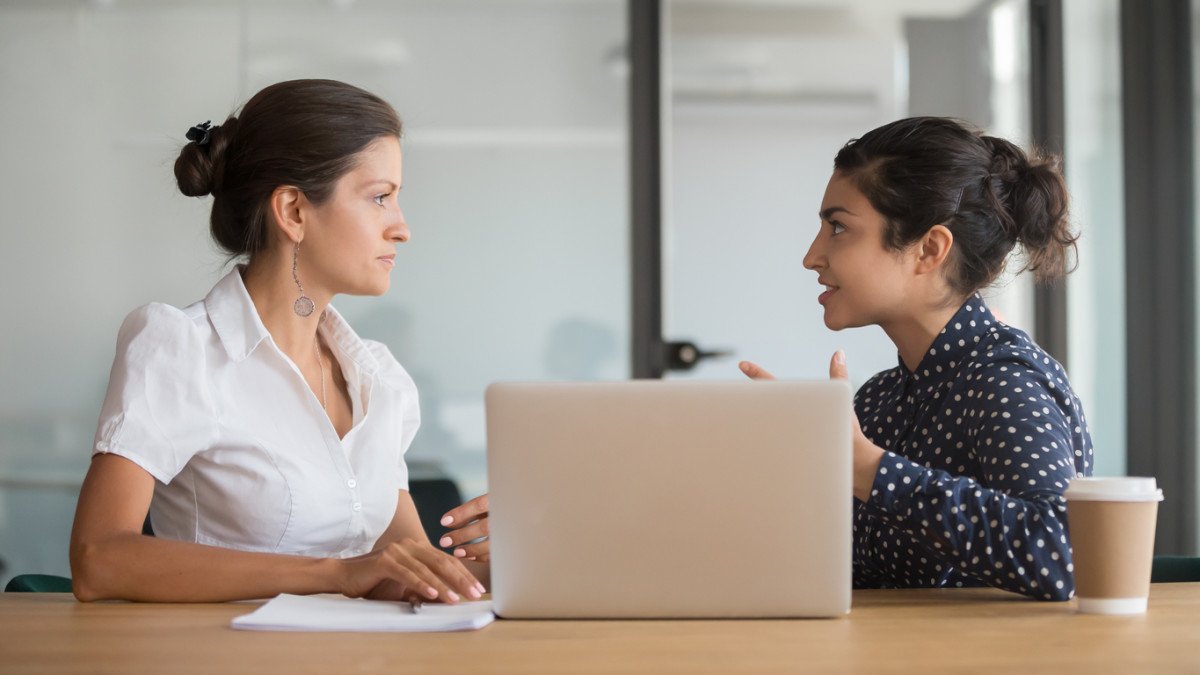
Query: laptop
{"type": "Point", "coordinates": [670, 499]}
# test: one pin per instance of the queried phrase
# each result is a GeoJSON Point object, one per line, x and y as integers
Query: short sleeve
{"type": "Point", "coordinates": [395, 377]}
{"type": "Point", "coordinates": [158, 411]}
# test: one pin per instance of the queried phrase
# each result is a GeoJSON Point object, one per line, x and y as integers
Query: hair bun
{"type": "Point", "coordinates": [198, 169]}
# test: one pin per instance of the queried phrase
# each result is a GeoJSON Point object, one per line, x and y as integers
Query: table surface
{"type": "Point", "coordinates": [897, 630]}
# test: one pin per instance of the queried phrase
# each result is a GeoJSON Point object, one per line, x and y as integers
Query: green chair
{"type": "Point", "coordinates": [38, 583]}
{"type": "Point", "coordinates": [1168, 569]}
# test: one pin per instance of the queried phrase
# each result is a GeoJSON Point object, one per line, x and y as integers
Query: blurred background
{"type": "Point", "coordinates": [518, 186]}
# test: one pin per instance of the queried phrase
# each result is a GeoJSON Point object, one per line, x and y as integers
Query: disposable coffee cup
{"type": "Point", "coordinates": [1112, 539]}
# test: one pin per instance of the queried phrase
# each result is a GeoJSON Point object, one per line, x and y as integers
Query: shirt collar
{"type": "Point", "coordinates": [954, 344]}
{"type": "Point", "coordinates": [237, 323]}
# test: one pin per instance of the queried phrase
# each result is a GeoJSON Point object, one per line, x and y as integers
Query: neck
{"type": "Point", "coordinates": [273, 291]}
{"type": "Point", "coordinates": [914, 332]}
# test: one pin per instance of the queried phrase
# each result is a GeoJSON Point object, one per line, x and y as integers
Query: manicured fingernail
{"type": "Point", "coordinates": [482, 590]}
{"type": "Point", "coordinates": [460, 553]}
{"type": "Point", "coordinates": [452, 595]}
{"type": "Point", "coordinates": [839, 357]}
{"type": "Point", "coordinates": [471, 558]}
{"type": "Point", "coordinates": [474, 593]}
{"type": "Point", "coordinates": [446, 520]}
{"type": "Point", "coordinates": [431, 591]}
{"type": "Point", "coordinates": [446, 542]}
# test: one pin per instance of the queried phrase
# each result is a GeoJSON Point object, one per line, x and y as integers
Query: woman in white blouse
{"type": "Point", "coordinates": [264, 436]}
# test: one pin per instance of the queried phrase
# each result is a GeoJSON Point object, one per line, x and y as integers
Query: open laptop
{"type": "Point", "coordinates": [670, 499]}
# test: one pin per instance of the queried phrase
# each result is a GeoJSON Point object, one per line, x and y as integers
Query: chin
{"type": "Point", "coordinates": [833, 321]}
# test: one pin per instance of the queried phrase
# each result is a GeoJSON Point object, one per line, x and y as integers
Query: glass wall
{"type": "Point", "coordinates": [1094, 170]}
{"type": "Point", "coordinates": [515, 191]}
{"type": "Point", "coordinates": [762, 96]}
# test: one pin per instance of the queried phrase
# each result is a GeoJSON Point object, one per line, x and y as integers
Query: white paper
{"type": "Point", "coordinates": [339, 613]}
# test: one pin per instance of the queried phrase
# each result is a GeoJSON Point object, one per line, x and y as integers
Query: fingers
{"type": "Point", "coordinates": [465, 533]}
{"type": "Point", "coordinates": [755, 371]}
{"type": "Point", "coordinates": [413, 575]}
{"type": "Point", "coordinates": [450, 572]}
{"type": "Point", "coordinates": [837, 366]}
{"type": "Point", "coordinates": [461, 515]}
{"type": "Point", "coordinates": [480, 551]}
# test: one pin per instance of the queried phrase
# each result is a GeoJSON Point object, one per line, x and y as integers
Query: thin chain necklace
{"type": "Point", "coordinates": [321, 365]}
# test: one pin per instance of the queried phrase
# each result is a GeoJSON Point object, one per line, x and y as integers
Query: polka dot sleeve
{"type": "Point", "coordinates": [1017, 544]}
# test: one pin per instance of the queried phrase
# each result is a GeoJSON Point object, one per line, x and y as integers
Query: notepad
{"type": "Point", "coordinates": [335, 613]}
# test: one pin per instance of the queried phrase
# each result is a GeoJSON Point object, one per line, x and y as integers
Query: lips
{"type": "Point", "coordinates": [829, 291]}
{"type": "Point", "coordinates": [389, 260]}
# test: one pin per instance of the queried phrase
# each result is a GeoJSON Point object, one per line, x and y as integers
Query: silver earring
{"type": "Point", "coordinates": [304, 305]}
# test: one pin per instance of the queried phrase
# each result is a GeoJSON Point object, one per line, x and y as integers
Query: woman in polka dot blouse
{"type": "Point", "coordinates": [964, 449]}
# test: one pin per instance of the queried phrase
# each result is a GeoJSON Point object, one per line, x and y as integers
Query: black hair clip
{"type": "Point", "coordinates": [200, 133]}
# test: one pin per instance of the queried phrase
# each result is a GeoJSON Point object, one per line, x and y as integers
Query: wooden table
{"type": "Point", "coordinates": [907, 630]}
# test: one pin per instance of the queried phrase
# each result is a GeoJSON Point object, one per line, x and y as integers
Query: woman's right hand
{"type": "Point", "coordinates": [405, 570]}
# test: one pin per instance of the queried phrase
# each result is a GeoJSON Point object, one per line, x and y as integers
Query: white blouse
{"type": "Point", "coordinates": [243, 455]}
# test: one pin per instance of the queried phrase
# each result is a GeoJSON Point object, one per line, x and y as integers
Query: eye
{"type": "Point", "coordinates": [836, 227]}
{"type": "Point", "coordinates": [379, 198]}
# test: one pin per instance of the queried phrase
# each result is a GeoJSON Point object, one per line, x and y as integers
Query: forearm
{"type": "Point", "coordinates": [131, 566]}
{"type": "Point", "coordinates": [1018, 544]}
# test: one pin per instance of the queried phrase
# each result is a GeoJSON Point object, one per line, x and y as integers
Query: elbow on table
{"type": "Point", "coordinates": [1057, 587]}
{"type": "Point", "coordinates": [85, 566]}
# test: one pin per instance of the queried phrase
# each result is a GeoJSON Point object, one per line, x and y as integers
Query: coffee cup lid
{"type": "Point", "coordinates": [1114, 489]}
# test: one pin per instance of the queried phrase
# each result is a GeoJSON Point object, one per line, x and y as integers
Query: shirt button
{"type": "Point", "coordinates": [357, 506]}
{"type": "Point", "coordinates": [352, 483]}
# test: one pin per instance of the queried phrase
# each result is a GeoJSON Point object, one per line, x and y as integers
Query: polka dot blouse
{"type": "Point", "coordinates": [981, 441]}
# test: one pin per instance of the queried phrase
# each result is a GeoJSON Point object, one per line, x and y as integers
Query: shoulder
{"type": "Point", "coordinates": [162, 324]}
{"type": "Point", "coordinates": [390, 372]}
{"type": "Point", "coordinates": [1007, 351]}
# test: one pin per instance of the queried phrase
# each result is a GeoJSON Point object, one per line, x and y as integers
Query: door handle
{"type": "Point", "coordinates": [684, 355]}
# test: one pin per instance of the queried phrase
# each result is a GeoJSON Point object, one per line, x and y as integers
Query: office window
{"type": "Point", "coordinates": [515, 190]}
{"type": "Point", "coordinates": [1094, 171]}
{"type": "Point", "coordinates": [762, 96]}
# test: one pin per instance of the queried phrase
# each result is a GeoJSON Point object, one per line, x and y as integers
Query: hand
{"type": "Point", "coordinates": [466, 523]}
{"type": "Point", "coordinates": [867, 455]}
{"type": "Point", "coordinates": [405, 570]}
{"type": "Point", "coordinates": [755, 371]}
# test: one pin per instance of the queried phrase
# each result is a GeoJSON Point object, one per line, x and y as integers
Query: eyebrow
{"type": "Point", "coordinates": [825, 214]}
{"type": "Point", "coordinates": [381, 181]}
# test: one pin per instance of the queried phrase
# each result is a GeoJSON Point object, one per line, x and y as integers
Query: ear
{"type": "Point", "coordinates": [933, 249]}
{"type": "Point", "coordinates": [287, 212]}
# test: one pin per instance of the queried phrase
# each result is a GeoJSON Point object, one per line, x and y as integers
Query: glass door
{"type": "Point", "coordinates": [758, 98]}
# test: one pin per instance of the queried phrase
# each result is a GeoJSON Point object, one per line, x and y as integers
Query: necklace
{"type": "Point", "coordinates": [321, 365]}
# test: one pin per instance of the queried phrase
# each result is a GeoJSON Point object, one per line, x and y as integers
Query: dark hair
{"type": "Point", "coordinates": [303, 133]}
{"type": "Point", "coordinates": [922, 171]}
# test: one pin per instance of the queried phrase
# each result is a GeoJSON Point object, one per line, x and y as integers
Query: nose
{"type": "Point", "coordinates": [815, 258]}
{"type": "Point", "coordinates": [398, 231]}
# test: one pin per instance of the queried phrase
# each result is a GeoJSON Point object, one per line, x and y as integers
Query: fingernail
{"type": "Point", "coordinates": [431, 591]}
{"type": "Point", "coordinates": [482, 590]}
{"type": "Point", "coordinates": [452, 595]}
{"type": "Point", "coordinates": [446, 520]}
{"type": "Point", "coordinates": [446, 542]}
{"type": "Point", "coordinates": [839, 357]}
{"type": "Point", "coordinates": [474, 593]}
{"type": "Point", "coordinates": [460, 553]}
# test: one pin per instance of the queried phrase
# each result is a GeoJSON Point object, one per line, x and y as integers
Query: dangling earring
{"type": "Point", "coordinates": [304, 305]}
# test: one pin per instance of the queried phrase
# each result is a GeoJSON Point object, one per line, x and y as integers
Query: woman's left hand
{"type": "Point", "coordinates": [467, 523]}
{"type": "Point", "coordinates": [867, 455]}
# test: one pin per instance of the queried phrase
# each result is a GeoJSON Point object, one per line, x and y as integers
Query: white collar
{"type": "Point", "coordinates": [241, 330]}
